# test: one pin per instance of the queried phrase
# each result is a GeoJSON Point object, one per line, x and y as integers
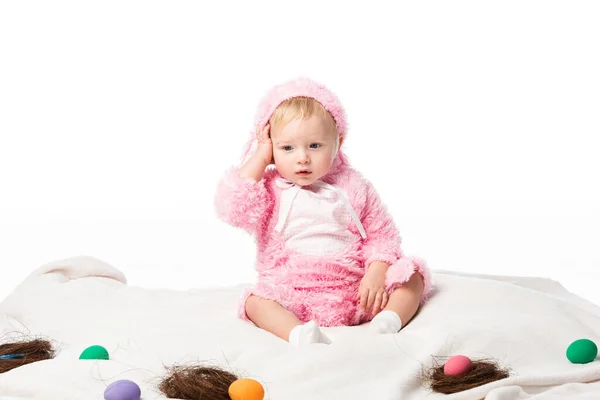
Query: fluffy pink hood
{"type": "Point", "coordinates": [299, 87]}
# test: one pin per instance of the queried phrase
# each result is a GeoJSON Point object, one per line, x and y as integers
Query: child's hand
{"type": "Point", "coordinates": [265, 146]}
{"type": "Point", "coordinates": [371, 291]}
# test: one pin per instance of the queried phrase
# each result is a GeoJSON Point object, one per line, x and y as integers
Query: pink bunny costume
{"type": "Point", "coordinates": [314, 243]}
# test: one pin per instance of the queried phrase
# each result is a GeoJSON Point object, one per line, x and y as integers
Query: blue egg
{"type": "Point", "coordinates": [123, 390]}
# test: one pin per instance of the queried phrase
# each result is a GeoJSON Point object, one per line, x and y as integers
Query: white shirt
{"type": "Point", "coordinates": [314, 219]}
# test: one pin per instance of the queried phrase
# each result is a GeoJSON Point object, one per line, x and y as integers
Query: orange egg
{"type": "Point", "coordinates": [246, 389]}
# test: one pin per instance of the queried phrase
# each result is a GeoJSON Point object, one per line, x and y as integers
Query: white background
{"type": "Point", "coordinates": [476, 121]}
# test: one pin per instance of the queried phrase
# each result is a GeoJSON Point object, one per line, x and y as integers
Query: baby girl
{"type": "Point", "coordinates": [328, 252]}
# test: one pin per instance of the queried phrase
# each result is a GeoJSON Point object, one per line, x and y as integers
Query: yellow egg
{"type": "Point", "coordinates": [246, 389]}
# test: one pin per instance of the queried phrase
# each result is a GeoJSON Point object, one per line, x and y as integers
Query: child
{"type": "Point", "coordinates": [328, 252]}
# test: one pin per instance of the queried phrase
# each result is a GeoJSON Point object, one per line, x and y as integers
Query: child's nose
{"type": "Point", "coordinates": [303, 158]}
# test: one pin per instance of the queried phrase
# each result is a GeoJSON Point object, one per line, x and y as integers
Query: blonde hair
{"type": "Point", "coordinates": [299, 108]}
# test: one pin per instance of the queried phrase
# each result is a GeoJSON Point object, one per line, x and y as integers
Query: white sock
{"type": "Point", "coordinates": [309, 333]}
{"type": "Point", "coordinates": [386, 322]}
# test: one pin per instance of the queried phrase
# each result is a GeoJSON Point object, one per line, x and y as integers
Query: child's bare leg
{"type": "Point", "coordinates": [271, 316]}
{"type": "Point", "coordinates": [401, 307]}
{"type": "Point", "coordinates": [274, 318]}
{"type": "Point", "coordinates": [405, 300]}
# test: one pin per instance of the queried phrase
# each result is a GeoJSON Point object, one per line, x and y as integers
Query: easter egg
{"type": "Point", "coordinates": [94, 353]}
{"type": "Point", "coordinates": [457, 365]}
{"type": "Point", "coordinates": [582, 351]}
{"type": "Point", "coordinates": [246, 389]}
{"type": "Point", "coordinates": [123, 390]}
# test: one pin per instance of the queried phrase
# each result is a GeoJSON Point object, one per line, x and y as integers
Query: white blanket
{"type": "Point", "coordinates": [526, 324]}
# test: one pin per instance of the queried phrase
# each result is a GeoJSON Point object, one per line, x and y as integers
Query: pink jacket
{"type": "Point", "coordinates": [254, 207]}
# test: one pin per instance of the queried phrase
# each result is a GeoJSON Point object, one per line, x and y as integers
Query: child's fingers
{"type": "Point", "coordinates": [264, 133]}
{"type": "Point", "coordinates": [260, 133]}
{"type": "Point", "coordinates": [377, 302]}
{"type": "Point", "coordinates": [364, 298]}
{"type": "Point", "coordinates": [371, 299]}
{"type": "Point", "coordinates": [384, 300]}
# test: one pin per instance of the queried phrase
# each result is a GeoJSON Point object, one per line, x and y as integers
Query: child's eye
{"type": "Point", "coordinates": [287, 148]}
{"type": "Point", "coordinates": [315, 145]}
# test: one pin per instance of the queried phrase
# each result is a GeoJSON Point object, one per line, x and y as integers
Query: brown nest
{"type": "Point", "coordinates": [24, 352]}
{"type": "Point", "coordinates": [197, 383]}
{"type": "Point", "coordinates": [482, 372]}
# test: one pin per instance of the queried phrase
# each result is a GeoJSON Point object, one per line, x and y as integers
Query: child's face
{"type": "Point", "coordinates": [304, 149]}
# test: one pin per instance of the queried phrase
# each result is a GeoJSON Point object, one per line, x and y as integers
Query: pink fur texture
{"type": "Point", "coordinates": [315, 288]}
{"type": "Point", "coordinates": [302, 87]}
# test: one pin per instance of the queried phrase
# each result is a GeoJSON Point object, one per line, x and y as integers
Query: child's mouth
{"type": "Point", "coordinates": [303, 173]}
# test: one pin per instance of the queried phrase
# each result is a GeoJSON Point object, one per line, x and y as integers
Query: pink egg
{"type": "Point", "coordinates": [457, 365]}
